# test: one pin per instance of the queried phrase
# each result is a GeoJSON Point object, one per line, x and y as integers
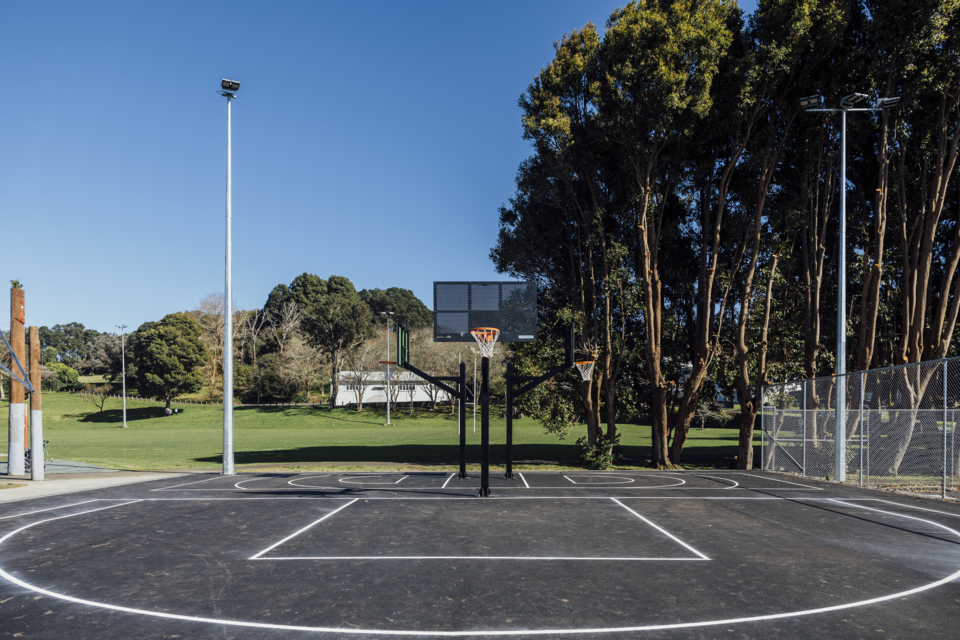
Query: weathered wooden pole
{"type": "Point", "coordinates": [36, 408]}
{"type": "Point", "coordinates": [18, 409]}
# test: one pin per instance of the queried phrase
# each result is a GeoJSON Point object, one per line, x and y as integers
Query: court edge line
{"type": "Point", "coordinates": [806, 486]}
{"type": "Point", "coordinates": [473, 496]}
{"type": "Point", "coordinates": [294, 535]}
{"type": "Point", "coordinates": [661, 529]}
{"type": "Point", "coordinates": [186, 483]}
{"type": "Point", "coordinates": [910, 506]}
{"type": "Point", "coordinates": [673, 487]}
{"type": "Point", "coordinates": [524, 632]}
{"type": "Point", "coordinates": [552, 558]}
{"type": "Point", "coordinates": [64, 506]}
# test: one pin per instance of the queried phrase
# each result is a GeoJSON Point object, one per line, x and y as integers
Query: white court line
{"type": "Point", "coordinates": [452, 475]}
{"type": "Point", "coordinates": [30, 513]}
{"type": "Point", "coordinates": [590, 487]}
{"type": "Point", "coordinates": [477, 632]}
{"type": "Point", "coordinates": [625, 480]}
{"type": "Point", "coordinates": [735, 483]}
{"type": "Point", "coordinates": [783, 481]}
{"type": "Point", "coordinates": [909, 506]}
{"type": "Point", "coordinates": [524, 480]}
{"type": "Point", "coordinates": [661, 530]}
{"type": "Point", "coordinates": [294, 535]}
{"type": "Point", "coordinates": [348, 478]}
{"type": "Point", "coordinates": [186, 483]}
{"type": "Point", "coordinates": [554, 558]}
{"type": "Point", "coordinates": [473, 497]}
{"type": "Point", "coordinates": [237, 486]}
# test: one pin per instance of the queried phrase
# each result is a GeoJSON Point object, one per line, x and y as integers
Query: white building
{"type": "Point", "coordinates": [375, 389]}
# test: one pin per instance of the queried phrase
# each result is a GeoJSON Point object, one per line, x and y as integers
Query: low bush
{"type": "Point", "coordinates": [601, 455]}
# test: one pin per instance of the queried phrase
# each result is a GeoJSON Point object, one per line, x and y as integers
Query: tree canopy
{"type": "Point", "coordinates": [407, 308]}
{"type": "Point", "coordinates": [168, 355]}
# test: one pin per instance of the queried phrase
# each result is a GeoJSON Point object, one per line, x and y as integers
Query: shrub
{"type": "Point", "coordinates": [67, 378]}
{"type": "Point", "coordinates": [601, 455]}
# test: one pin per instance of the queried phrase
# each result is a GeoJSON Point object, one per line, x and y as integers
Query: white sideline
{"type": "Point", "coordinates": [294, 535]}
{"type": "Point", "coordinates": [63, 506]}
{"type": "Point", "coordinates": [186, 483]}
{"type": "Point", "coordinates": [806, 486]}
{"type": "Point", "coordinates": [553, 558]}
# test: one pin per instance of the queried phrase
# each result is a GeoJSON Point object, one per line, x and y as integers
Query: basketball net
{"type": "Point", "coordinates": [585, 367]}
{"type": "Point", "coordinates": [386, 367]}
{"type": "Point", "coordinates": [486, 338]}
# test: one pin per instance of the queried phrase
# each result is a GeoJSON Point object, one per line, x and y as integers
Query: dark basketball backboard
{"type": "Point", "coordinates": [459, 307]}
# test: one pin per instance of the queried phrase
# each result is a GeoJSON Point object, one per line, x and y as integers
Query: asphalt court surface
{"type": "Point", "coordinates": [592, 554]}
{"type": "Point", "coordinates": [524, 483]}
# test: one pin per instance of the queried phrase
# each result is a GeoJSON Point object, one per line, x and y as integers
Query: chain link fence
{"type": "Point", "coordinates": [899, 422]}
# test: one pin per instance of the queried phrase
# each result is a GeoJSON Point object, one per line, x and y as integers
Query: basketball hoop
{"type": "Point", "coordinates": [486, 339]}
{"type": "Point", "coordinates": [585, 367]}
{"type": "Point", "coordinates": [385, 366]}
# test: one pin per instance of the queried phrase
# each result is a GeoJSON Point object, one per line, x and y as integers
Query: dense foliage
{"type": "Point", "coordinates": [682, 208]}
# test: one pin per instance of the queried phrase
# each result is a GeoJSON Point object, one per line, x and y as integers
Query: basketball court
{"type": "Point", "coordinates": [590, 554]}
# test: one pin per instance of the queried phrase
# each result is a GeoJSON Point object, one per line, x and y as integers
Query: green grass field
{"type": "Point", "coordinates": [307, 436]}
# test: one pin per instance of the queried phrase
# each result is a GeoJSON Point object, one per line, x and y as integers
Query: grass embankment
{"type": "Point", "coordinates": [339, 439]}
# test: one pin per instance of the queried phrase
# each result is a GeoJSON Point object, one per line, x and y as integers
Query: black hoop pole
{"type": "Point", "coordinates": [462, 419]}
{"type": "Point", "coordinates": [485, 428]}
{"type": "Point", "coordinates": [509, 473]}
{"type": "Point", "coordinates": [519, 385]}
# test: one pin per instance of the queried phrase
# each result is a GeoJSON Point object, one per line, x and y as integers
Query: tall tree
{"type": "Point", "coordinates": [168, 355]}
{"type": "Point", "coordinates": [336, 324]}
{"type": "Point", "coordinates": [660, 59]}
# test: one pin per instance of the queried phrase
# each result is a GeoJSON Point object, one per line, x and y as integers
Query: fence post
{"type": "Point", "coordinates": [943, 489]}
{"type": "Point", "coordinates": [763, 431]}
{"type": "Point", "coordinates": [803, 470]}
{"type": "Point", "coordinates": [862, 424]}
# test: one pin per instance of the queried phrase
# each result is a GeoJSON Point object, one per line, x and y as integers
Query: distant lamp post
{"type": "Point", "coordinates": [229, 91]}
{"type": "Point", "coordinates": [852, 102]}
{"type": "Point", "coordinates": [387, 315]}
{"type": "Point", "coordinates": [123, 371]}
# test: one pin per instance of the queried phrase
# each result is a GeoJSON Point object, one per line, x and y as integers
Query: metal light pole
{"type": "Point", "coordinates": [387, 315]}
{"type": "Point", "coordinates": [123, 371]}
{"type": "Point", "coordinates": [851, 102]}
{"type": "Point", "coordinates": [229, 91]}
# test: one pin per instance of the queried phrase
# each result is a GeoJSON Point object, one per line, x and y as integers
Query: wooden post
{"type": "Point", "coordinates": [18, 413]}
{"type": "Point", "coordinates": [36, 408]}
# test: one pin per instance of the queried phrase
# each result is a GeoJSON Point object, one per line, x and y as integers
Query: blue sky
{"type": "Point", "coordinates": [371, 140]}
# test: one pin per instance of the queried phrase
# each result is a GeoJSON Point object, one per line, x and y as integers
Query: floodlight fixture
{"type": "Point", "coordinates": [853, 100]}
{"type": "Point", "coordinates": [888, 103]}
{"type": "Point", "coordinates": [229, 85]}
{"type": "Point", "coordinates": [810, 102]}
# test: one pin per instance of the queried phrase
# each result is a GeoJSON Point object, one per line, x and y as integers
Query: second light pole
{"type": "Point", "coordinates": [123, 371]}
{"type": "Point", "coordinates": [229, 91]}
{"type": "Point", "coordinates": [851, 102]}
